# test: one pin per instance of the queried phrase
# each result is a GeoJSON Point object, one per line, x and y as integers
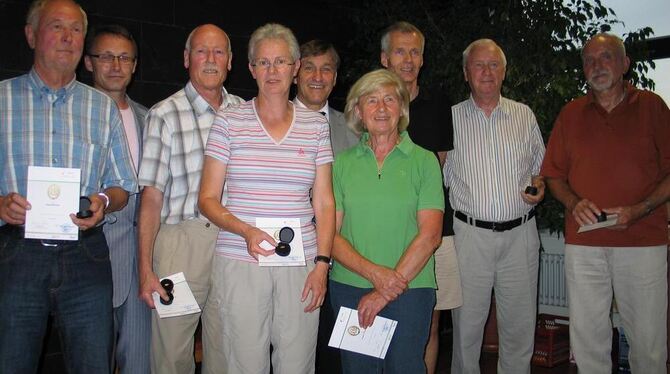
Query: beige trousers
{"type": "Point", "coordinates": [448, 294]}
{"type": "Point", "coordinates": [184, 247]}
{"type": "Point", "coordinates": [258, 306]}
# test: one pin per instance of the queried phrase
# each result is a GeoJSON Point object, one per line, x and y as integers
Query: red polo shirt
{"type": "Point", "coordinates": [613, 159]}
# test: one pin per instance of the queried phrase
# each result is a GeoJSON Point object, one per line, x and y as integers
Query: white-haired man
{"type": "Point", "coordinates": [498, 151]}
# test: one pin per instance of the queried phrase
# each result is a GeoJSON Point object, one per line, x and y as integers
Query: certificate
{"type": "Point", "coordinates": [277, 227]}
{"type": "Point", "coordinates": [373, 341]}
{"type": "Point", "coordinates": [53, 194]}
{"type": "Point", "coordinates": [183, 303]}
{"type": "Point", "coordinates": [611, 221]}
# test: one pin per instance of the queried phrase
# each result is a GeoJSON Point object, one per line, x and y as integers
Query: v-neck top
{"type": "Point", "coordinates": [267, 178]}
{"type": "Point", "coordinates": [260, 122]}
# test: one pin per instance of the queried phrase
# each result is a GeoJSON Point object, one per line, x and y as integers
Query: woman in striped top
{"type": "Point", "coordinates": [270, 154]}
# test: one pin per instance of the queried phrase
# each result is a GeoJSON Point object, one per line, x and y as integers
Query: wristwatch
{"type": "Point", "coordinates": [325, 259]}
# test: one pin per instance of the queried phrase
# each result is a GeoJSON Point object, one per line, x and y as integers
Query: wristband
{"type": "Point", "coordinates": [105, 197]}
{"type": "Point", "coordinates": [324, 259]}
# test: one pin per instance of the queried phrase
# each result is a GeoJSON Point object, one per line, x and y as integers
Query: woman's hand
{"type": "Point", "coordinates": [368, 308]}
{"type": "Point", "coordinates": [316, 284]}
{"type": "Point", "coordinates": [254, 237]}
{"type": "Point", "coordinates": [388, 282]}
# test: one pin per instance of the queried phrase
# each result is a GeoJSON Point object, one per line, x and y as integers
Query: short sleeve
{"type": "Point", "coordinates": [431, 195]}
{"type": "Point", "coordinates": [156, 151]}
{"type": "Point", "coordinates": [218, 142]}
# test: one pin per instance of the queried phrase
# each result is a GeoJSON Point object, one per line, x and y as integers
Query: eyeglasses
{"type": "Point", "coordinates": [278, 63]}
{"type": "Point", "coordinates": [108, 58]}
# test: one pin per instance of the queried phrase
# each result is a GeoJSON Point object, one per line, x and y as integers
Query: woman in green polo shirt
{"type": "Point", "coordinates": [389, 198]}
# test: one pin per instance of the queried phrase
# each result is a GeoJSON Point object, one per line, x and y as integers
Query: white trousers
{"type": "Point", "coordinates": [506, 262]}
{"type": "Point", "coordinates": [636, 277]}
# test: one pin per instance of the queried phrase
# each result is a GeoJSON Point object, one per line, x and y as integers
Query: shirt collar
{"type": "Point", "coordinates": [502, 107]}
{"type": "Point", "coordinates": [405, 146]}
{"type": "Point", "coordinates": [325, 109]}
{"type": "Point", "coordinates": [46, 92]}
{"type": "Point", "coordinates": [199, 104]}
{"type": "Point", "coordinates": [631, 94]}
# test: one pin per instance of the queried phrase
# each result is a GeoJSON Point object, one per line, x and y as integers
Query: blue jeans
{"type": "Point", "coordinates": [413, 311]}
{"type": "Point", "coordinates": [73, 282]}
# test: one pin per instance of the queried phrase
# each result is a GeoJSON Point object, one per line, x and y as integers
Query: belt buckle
{"type": "Point", "coordinates": [497, 227]}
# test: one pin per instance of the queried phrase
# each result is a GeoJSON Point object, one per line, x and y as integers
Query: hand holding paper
{"type": "Point", "coordinates": [13, 208]}
{"type": "Point", "coordinates": [350, 336]}
{"type": "Point", "coordinates": [183, 301]}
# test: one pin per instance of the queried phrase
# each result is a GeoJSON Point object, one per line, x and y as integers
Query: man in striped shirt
{"type": "Point", "coordinates": [173, 237]}
{"type": "Point", "coordinates": [49, 119]}
{"type": "Point", "coordinates": [498, 151]}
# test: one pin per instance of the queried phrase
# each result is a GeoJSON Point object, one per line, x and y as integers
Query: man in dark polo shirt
{"type": "Point", "coordinates": [430, 127]}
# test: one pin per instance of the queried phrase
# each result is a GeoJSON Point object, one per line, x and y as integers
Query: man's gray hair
{"type": "Point", "coordinates": [403, 28]}
{"type": "Point", "coordinates": [274, 31]}
{"type": "Point", "coordinates": [479, 43]}
{"type": "Point", "coordinates": [35, 13]}
{"type": "Point", "coordinates": [187, 46]}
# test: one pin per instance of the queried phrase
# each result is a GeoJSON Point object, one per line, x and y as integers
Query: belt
{"type": "Point", "coordinates": [18, 232]}
{"type": "Point", "coordinates": [495, 226]}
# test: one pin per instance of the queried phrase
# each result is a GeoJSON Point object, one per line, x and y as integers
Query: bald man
{"type": "Point", "coordinates": [173, 237]}
{"type": "Point", "coordinates": [609, 153]}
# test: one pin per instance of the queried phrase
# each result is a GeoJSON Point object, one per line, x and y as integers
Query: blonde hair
{"type": "Point", "coordinates": [368, 84]}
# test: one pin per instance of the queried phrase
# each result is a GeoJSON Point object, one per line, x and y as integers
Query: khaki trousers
{"type": "Point", "coordinates": [258, 306]}
{"type": "Point", "coordinates": [448, 293]}
{"type": "Point", "coordinates": [184, 247]}
{"type": "Point", "coordinates": [636, 278]}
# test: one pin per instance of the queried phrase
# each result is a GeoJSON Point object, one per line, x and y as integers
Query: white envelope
{"type": "Point", "coordinates": [373, 341]}
{"type": "Point", "coordinates": [53, 194]}
{"type": "Point", "coordinates": [611, 221]}
{"type": "Point", "coordinates": [272, 226]}
{"type": "Point", "coordinates": [184, 303]}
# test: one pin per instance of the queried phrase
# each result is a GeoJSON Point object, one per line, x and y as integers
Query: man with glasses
{"type": "Point", "coordinates": [49, 119]}
{"type": "Point", "coordinates": [173, 236]}
{"type": "Point", "coordinates": [111, 56]}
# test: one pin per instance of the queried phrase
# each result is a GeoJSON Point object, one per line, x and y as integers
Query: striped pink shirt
{"type": "Point", "coordinates": [267, 178]}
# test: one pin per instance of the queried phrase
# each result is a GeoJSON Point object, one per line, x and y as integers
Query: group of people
{"type": "Point", "coordinates": [179, 188]}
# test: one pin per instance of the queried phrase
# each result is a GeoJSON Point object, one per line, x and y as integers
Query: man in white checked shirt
{"type": "Point", "coordinates": [172, 236]}
{"type": "Point", "coordinates": [498, 150]}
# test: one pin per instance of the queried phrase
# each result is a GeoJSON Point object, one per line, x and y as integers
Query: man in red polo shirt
{"type": "Point", "coordinates": [610, 152]}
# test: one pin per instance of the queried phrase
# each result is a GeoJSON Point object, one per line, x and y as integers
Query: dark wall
{"type": "Point", "coordinates": [161, 27]}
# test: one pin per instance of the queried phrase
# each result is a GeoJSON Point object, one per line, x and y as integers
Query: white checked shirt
{"type": "Point", "coordinates": [175, 135]}
{"type": "Point", "coordinates": [493, 159]}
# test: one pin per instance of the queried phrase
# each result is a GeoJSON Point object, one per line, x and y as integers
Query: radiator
{"type": "Point", "coordinates": [552, 289]}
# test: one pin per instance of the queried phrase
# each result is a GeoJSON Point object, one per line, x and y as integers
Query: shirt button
{"type": "Point", "coordinates": [207, 224]}
{"type": "Point", "coordinates": [54, 160]}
